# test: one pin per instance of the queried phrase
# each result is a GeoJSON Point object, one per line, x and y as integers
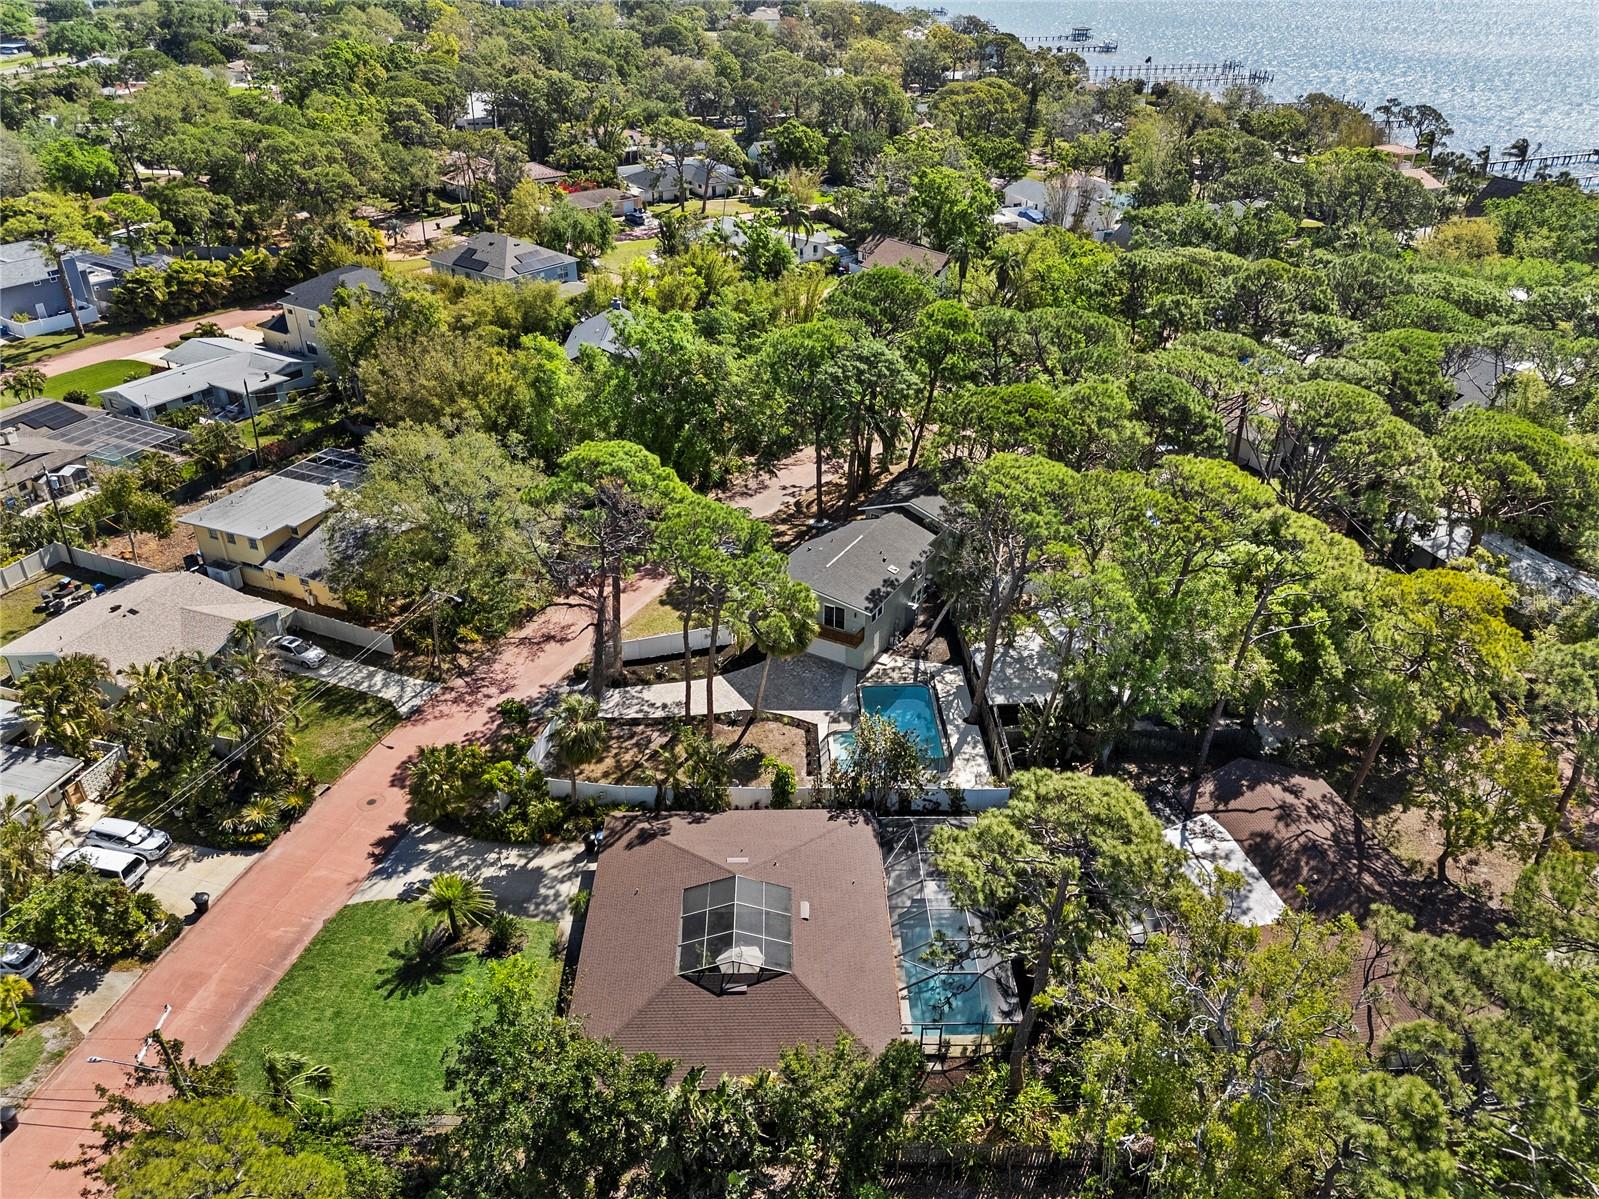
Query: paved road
{"type": "Point", "coordinates": [150, 339]}
{"type": "Point", "coordinates": [226, 964]}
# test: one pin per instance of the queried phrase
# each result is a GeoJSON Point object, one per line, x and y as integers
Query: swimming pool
{"type": "Point", "coordinates": [914, 709]}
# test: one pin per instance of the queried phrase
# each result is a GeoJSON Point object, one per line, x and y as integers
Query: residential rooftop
{"type": "Point", "coordinates": [499, 257]}
{"type": "Point", "coordinates": [295, 496]}
{"type": "Point", "coordinates": [833, 974]}
{"type": "Point", "coordinates": [890, 251]}
{"type": "Point", "coordinates": [143, 619]}
{"type": "Point", "coordinates": [862, 562]}
{"type": "Point", "coordinates": [318, 293]}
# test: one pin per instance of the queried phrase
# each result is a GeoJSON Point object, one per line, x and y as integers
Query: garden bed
{"type": "Point", "coordinates": [631, 756]}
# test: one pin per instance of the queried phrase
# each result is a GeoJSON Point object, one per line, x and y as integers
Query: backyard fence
{"type": "Point", "coordinates": [51, 557]}
{"type": "Point", "coordinates": [96, 778]}
{"type": "Point", "coordinates": [665, 645]}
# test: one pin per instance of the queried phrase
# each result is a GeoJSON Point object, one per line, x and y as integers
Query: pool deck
{"type": "Point", "coordinates": [968, 760]}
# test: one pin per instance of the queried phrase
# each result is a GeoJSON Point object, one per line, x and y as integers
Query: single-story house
{"type": "Point", "coordinates": [907, 255]}
{"type": "Point", "coordinates": [31, 297]}
{"type": "Point", "coordinates": [598, 331]}
{"type": "Point", "coordinates": [769, 15]}
{"type": "Point", "coordinates": [811, 247]}
{"type": "Point", "coordinates": [294, 331]}
{"type": "Point", "coordinates": [1027, 193]}
{"type": "Point", "coordinates": [271, 532]}
{"type": "Point", "coordinates": [720, 941]}
{"type": "Point", "coordinates": [869, 576]}
{"type": "Point", "coordinates": [47, 447]}
{"type": "Point", "coordinates": [619, 202]}
{"type": "Point", "coordinates": [218, 372]}
{"type": "Point", "coordinates": [38, 777]}
{"type": "Point", "coordinates": [500, 258]}
{"type": "Point", "coordinates": [659, 181]}
{"type": "Point", "coordinates": [143, 619]}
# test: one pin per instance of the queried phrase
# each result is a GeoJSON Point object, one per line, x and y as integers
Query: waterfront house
{"type": "Point", "coordinates": [869, 576]}
{"type": "Point", "coordinates": [499, 258]}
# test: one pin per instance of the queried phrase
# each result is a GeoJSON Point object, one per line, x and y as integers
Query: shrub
{"type": "Point", "coordinates": [156, 942]}
{"type": "Point", "coordinates": [82, 915]}
{"type": "Point", "coordinates": [785, 783]}
{"type": "Point", "coordinates": [78, 396]}
{"type": "Point", "coordinates": [505, 935]}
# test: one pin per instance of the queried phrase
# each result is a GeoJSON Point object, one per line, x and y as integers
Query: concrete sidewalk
{"type": "Point", "coordinates": [404, 692]}
{"type": "Point", "coordinates": [222, 968]}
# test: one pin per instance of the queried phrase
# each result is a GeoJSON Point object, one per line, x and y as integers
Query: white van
{"type": "Point", "coordinates": [128, 869]}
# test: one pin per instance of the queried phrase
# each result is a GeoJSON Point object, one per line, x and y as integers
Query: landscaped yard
{"type": "Point", "coordinates": [356, 1003]}
{"type": "Point", "coordinates": [624, 252]}
{"type": "Point", "coordinates": [96, 377]}
{"type": "Point", "coordinates": [335, 728]}
{"type": "Point", "coordinates": [653, 619]}
{"type": "Point", "coordinates": [630, 756]}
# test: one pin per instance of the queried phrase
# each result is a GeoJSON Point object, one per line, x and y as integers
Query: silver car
{"type": "Point", "coordinates": [19, 959]}
{"type": "Point", "coordinates": [129, 836]}
{"type": "Point", "coordinates": [299, 651]}
{"type": "Point", "coordinates": [128, 869]}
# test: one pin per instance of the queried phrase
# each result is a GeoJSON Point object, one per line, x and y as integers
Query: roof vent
{"type": "Point", "coordinates": [893, 569]}
{"type": "Point", "coordinates": [114, 608]}
{"type": "Point", "coordinates": [736, 861]}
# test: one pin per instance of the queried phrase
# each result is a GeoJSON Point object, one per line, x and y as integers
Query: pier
{"type": "Point", "coordinates": [1543, 164]}
{"type": "Point", "coordinates": [1227, 74]}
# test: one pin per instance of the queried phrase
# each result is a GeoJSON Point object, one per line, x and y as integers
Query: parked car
{"type": "Point", "coordinates": [298, 650]}
{"type": "Point", "coordinates": [19, 959]}
{"type": "Point", "coordinates": [128, 869]}
{"type": "Point", "coordinates": [129, 836]}
{"type": "Point", "coordinates": [636, 218]}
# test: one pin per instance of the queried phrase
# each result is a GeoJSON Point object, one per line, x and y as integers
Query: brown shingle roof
{"type": "Point", "coordinates": [890, 251]}
{"type": "Point", "coordinates": [627, 986]}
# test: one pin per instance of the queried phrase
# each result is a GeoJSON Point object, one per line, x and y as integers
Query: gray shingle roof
{"type": "Point", "coordinates": [861, 563]}
{"type": "Point", "coordinates": [497, 256]}
{"type": "Point", "coordinates": [318, 293]}
{"type": "Point", "coordinates": [303, 557]}
{"type": "Point", "coordinates": [598, 331]}
{"type": "Point", "coordinates": [146, 618]}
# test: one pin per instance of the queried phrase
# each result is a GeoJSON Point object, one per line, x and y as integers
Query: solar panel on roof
{"type": "Point", "coordinates": [51, 416]}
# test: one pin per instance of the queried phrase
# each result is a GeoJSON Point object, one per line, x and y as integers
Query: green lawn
{"type": "Point", "coordinates": [624, 252]}
{"type": "Point", "coordinates": [333, 730]}
{"type": "Point", "coordinates": [17, 615]}
{"type": "Point", "coordinates": [405, 266]}
{"type": "Point", "coordinates": [354, 1003]}
{"type": "Point", "coordinates": [97, 377]}
{"type": "Point", "coordinates": [652, 619]}
{"type": "Point", "coordinates": [29, 350]}
{"type": "Point", "coordinates": [23, 1052]}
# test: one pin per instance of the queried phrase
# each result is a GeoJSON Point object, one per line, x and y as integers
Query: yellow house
{"type": "Point", "coordinates": [271, 531]}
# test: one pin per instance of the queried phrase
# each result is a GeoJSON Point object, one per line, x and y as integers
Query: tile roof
{"type": "Point", "coordinates": [143, 619]}
{"type": "Point", "coordinates": [862, 562]}
{"type": "Point", "coordinates": [843, 979]}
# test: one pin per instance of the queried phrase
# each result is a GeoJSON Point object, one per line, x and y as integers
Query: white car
{"type": "Point", "coordinates": [128, 869]}
{"type": "Point", "coordinates": [19, 959]}
{"type": "Point", "coordinates": [299, 651]}
{"type": "Point", "coordinates": [129, 836]}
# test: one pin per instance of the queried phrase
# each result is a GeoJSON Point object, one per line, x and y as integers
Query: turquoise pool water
{"type": "Point", "coordinates": [913, 708]}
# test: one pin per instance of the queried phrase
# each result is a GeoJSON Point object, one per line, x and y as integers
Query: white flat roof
{"type": "Point", "coordinates": [1207, 848]}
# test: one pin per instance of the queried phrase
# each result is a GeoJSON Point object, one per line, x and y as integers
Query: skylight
{"type": "Point", "coordinates": [734, 932]}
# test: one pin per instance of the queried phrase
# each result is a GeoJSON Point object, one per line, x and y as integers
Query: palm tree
{"type": "Point", "coordinates": [793, 215]}
{"type": "Point", "coordinates": [1484, 156]}
{"type": "Point", "coordinates": [580, 735]}
{"type": "Point", "coordinates": [64, 702]}
{"type": "Point", "coordinates": [290, 1074]}
{"type": "Point", "coordinates": [783, 626]}
{"type": "Point", "coordinates": [14, 992]}
{"type": "Point", "coordinates": [1519, 150]}
{"type": "Point", "coordinates": [24, 849]}
{"type": "Point", "coordinates": [460, 901]}
{"type": "Point", "coordinates": [25, 383]}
